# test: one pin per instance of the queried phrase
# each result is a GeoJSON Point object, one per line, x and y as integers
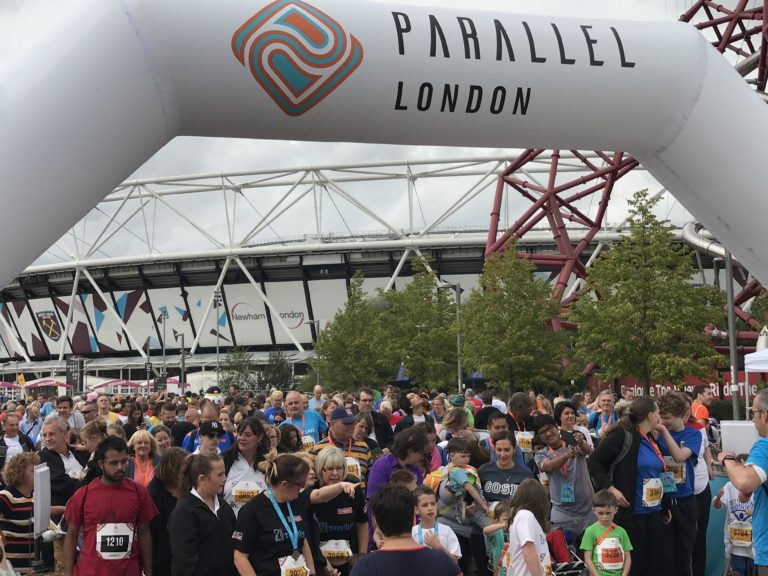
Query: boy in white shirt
{"type": "Point", "coordinates": [429, 532]}
{"type": "Point", "coordinates": [738, 526]}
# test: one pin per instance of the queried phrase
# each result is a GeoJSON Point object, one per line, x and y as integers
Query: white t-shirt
{"type": "Point", "coordinates": [72, 467]}
{"type": "Point", "coordinates": [418, 419]}
{"type": "Point", "coordinates": [243, 483]}
{"type": "Point", "coordinates": [525, 528]}
{"type": "Point", "coordinates": [13, 447]}
{"type": "Point", "coordinates": [445, 535]}
{"type": "Point", "coordinates": [499, 405]}
{"type": "Point", "coordinates": [700, 471]}
{"type": "Point", "coordinates": [738, 515]}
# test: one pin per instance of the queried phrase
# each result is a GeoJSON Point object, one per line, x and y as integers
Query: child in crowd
{"type": "Point", "coordinates": [429, 532]}
{"type": "Point", "coordinates": [404, 478]}
{"type": "Point", "coordinates": [606, 546]}
{"type": "Point", "coordinates": [462, 481]}
{"type": "Point", "coordinates": [528, 552]}
{"type": "Point", "coordinates": [738, 526]}
{"type": "Point", "coordinates": [496, 532]}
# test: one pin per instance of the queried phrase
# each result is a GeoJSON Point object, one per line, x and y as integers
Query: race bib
{"type": "Point", "coordinates": [337, 552]}
{"type": "Point", "coordinates": [244, 491]}
{"type": "Point", "coordinates": [290, 566]}
{"type": "Point", "coordinates": [668, 483]}
{"type": "Point", "coordinates": [114, 541]}
{"type": "Point", "coordinates": [353, 467]}
{"type": "Point", "coordinates": [610, 554]}
{"type": "Point", "coordinates": [677, 469]}
{"type": "Point", "coordinates": [740, 533]}
{"type": "Point", "coordinates": [307, 443]}
{"type": "Point", "coordinates": [652, 492]}
{"type": "Point", "coordinates": [546, 563]}
{"type": "Point", "coordinates": [524, 441]}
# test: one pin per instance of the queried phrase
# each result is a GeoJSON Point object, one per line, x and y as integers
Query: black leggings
{"type": "Point", "coordinates": [678, 538]}
{"type": "Point", "coordinates": [473, 548]}
{"type": "Point", "coordinates": [644, 531]}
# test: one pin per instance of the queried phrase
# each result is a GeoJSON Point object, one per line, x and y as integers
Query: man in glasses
{"type": "Point", "coordinates": [89, 411]}
{"type": "Point", "coordinates": [751, 478]}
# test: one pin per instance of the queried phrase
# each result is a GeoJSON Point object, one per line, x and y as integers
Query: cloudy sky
{"type": "Point", "coordinates": [24, 21]}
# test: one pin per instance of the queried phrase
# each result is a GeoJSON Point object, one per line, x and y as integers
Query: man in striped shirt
{"type": "Point", "coordinates": [358, 456]}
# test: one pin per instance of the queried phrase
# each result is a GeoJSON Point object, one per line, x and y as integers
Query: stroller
{"type": "Point", "coordinates": [565, 558]}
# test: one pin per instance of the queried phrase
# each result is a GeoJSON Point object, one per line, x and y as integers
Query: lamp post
{"type": "Point", "coordinates": [456, 287]}
{"type": "Point", "coordinates": [217, 303]}
{"type": "Point", "coordinates": [182, 367]}
{"type": "Point", "coordinates": [316, 324]}
{"type": "Point", "coordinates": [164, 316]}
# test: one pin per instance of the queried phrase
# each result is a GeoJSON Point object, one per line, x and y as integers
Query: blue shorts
{"type": "Point", "coordinates": [742, 566]}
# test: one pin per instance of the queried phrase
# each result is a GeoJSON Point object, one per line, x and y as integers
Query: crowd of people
{"type": "Point", "coordinates": [405, 482]}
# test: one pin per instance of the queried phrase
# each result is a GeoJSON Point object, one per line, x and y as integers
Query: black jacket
{"type": "Point", "coordinates": [230, 457]}
{"type": "Point", "coordinates": [407, 422]}
{"type": "Point", "coordinates": [62, 486]}
{"type": "Point", "coordinates": [382, 430]}
{"type": "Point", "coordinates": [158, 527]}
{"type": "Point", "coordinates": [624, 474]}
{"type": "Point", "coordinates": [26, 446]}
{"type": "Point", "coordinates": [201, 542]}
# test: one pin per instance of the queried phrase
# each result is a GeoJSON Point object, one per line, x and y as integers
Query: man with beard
{"type": "Point", "coordinates": [114, 513]}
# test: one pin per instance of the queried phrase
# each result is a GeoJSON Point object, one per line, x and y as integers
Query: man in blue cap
{"type": "Point", "coordinates": [358, 456]}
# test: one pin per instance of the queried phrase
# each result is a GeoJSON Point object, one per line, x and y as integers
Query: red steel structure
{"type": "Point", "coordinates": [742, 30]}
{"type": "Point", "coordinates": [557, 203]}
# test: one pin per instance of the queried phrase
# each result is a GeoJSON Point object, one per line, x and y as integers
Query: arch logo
{"type": "Point", "coordinates": [297, 53]}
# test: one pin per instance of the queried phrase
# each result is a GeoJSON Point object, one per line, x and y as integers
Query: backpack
{"type": "Point", "coordinates": [434, 479]}
{"type": "Point", "coordinates": [625, 448]}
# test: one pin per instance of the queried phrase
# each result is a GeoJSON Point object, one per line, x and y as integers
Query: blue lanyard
{"type": "Point", "coordinates": [292, 530]}
{"type": "Point", "coordinates": [421, 535]}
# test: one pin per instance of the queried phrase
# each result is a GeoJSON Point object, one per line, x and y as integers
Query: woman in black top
{"type": "Point", "coordinates": [342, 523]}
{"type": "Point", "coordinates": [271, 529]}
{"type": "Point", "coordinates": [201, 525]}
{"type": "Point", "coordinates": [164, 490]}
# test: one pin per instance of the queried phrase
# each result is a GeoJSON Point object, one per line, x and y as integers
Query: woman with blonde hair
{"type": "Point", "coordinates": [284, 506]}
{"type": "Point", "coordinates": [90, 435]}
{"type": "Point", "coordinates": [342, 522]}
{"type": "Point", "coordinates": [16, 501]}
{"type": "Point", "coordinates": [141, 465]}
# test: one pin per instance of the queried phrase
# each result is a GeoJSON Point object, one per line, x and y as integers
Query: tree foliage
{"type": "Point", "coordinates": [506, 325]}
{"type": "Point", "coordinates": [278, 372]}
{"type": "Point", "coordinates": [240, 369]}
{"type": "Point", "coordinates": [648, 320]}
{"type": "Point", "coordinates": [370, 338]}
{"type": "Point", "coordinates": [346, 357]}
{"type": "Point", "coordinates": [417, 329]}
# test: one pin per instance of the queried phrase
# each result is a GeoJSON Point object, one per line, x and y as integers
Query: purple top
{"type": "Point", "coordinates": [382, 470]}
{"type": "Point", "coordinates": [377, 477]}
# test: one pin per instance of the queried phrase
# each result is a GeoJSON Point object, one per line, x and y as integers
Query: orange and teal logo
{"type": "Point", "coordinates": [297, 53]}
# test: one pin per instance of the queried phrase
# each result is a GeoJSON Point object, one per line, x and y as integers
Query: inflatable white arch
{"type": "Point", "coordinates": [118, 79]}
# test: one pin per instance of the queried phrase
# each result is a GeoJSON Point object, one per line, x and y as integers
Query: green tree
{"type": "Point", "coordinates": [506, 325]}
{"type": "Point", "coordinates": [346, 357]}
{"type": "Point", "coordinates": [278, 372]}
{"type": "Point", "coordinates": [416, 328]}
{"type": "Point", "coordinates": [648, 319]}
{"type": "Point", "coordinates": [240, 369]}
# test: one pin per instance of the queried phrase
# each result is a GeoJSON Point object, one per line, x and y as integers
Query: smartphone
{"type": "Point", "coordinates": [568, 437]}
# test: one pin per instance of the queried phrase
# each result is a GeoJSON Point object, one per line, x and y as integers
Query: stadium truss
{"type": "Point", "coordinates": [261, 258]}
{"type": "Point", "coordinates": [261, 239]}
